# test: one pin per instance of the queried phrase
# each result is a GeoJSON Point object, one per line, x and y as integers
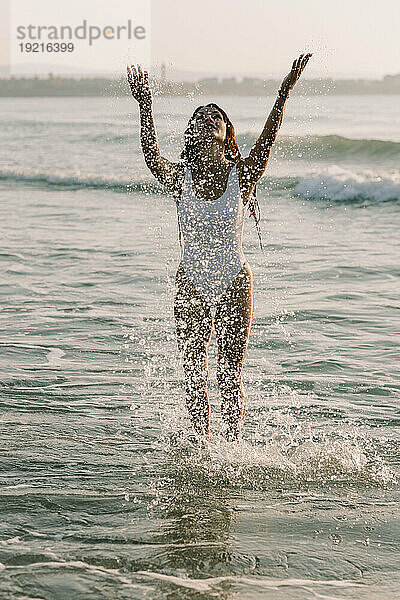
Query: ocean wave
{"type": "Point", "coordinates": [338, 184]}
{"type": "Point", "coordinates": [324, 147]}
{"type": "Point", "coordinates": [331, 184]}
{"type": "Point", "coordinates": [313, 147]}
{"type": "Point", "coordinates": [116, 183]}
{"type": "Point", "coordinates": [286, 147]}
{"type": "Point", "coordinates": [79, 180]}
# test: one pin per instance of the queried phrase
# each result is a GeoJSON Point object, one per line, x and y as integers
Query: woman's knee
{"type": "Point", "coordinates": [196, 377]}
{"type": "Point", "coordinates": [229, 375]}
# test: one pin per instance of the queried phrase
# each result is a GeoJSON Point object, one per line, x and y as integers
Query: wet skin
{"type": "Point", "coordinates": [234, 313]}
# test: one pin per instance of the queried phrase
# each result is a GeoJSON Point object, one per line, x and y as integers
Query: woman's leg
{"type": "Point", "coordinates": [232, 327]}
{"type": "Point", "coordinates": [193, 328]}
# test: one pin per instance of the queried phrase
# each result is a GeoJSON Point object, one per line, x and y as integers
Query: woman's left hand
{"type": "Point", "coordinates": [297, 68]}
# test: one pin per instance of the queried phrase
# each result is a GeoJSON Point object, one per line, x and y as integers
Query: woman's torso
{"type": "Point", "coordinates": [212, 233]}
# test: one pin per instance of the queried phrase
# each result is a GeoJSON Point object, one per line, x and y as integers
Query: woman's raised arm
{"type": "Point", "coordinates": [255, 164]}
{"type": "Point", "coordinates": [165, 171]}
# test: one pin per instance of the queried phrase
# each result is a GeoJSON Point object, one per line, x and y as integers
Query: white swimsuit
{"type": "Point", "coordinates": [212, 234]}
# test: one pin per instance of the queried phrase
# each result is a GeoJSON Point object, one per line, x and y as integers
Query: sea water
{"type": "Point", "coordinates": [104, 494]}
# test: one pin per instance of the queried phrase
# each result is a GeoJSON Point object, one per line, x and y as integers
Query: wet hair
{"type": "Point", "coordinates": [232, 153]}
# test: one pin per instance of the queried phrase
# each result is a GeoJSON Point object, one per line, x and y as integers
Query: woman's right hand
{"type": "Point", "coordinates": [139, 84]}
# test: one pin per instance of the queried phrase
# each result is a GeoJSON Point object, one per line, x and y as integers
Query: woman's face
{"type": "Point", "coordinates": [209, 124]}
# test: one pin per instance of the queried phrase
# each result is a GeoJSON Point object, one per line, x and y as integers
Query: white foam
{"type": "Point", "coordinates": [337, 183]}
{"type": "Point", "coordinates": [54, 356]}
{"type": "Point", "coordinates": [255, 465]}
{"type": "Point", "coordinates": [204, 585]}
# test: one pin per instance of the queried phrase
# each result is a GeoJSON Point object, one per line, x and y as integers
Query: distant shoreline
{"type": "Point", "coordinates": [55, 86]}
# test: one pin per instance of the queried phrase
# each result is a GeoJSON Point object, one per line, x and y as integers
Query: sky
{"type": "Point", "coordinates": [348, 38]}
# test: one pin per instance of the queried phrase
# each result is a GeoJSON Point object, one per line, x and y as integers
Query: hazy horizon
{"type": "Point", "coordinates": [171, 73]}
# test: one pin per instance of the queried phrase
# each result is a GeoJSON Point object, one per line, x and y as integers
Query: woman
{"type": "Point", "coordinates": [212, 184]}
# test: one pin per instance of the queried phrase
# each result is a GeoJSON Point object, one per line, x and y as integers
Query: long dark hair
{"type": "Point", "coordinates": [232, 153]}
